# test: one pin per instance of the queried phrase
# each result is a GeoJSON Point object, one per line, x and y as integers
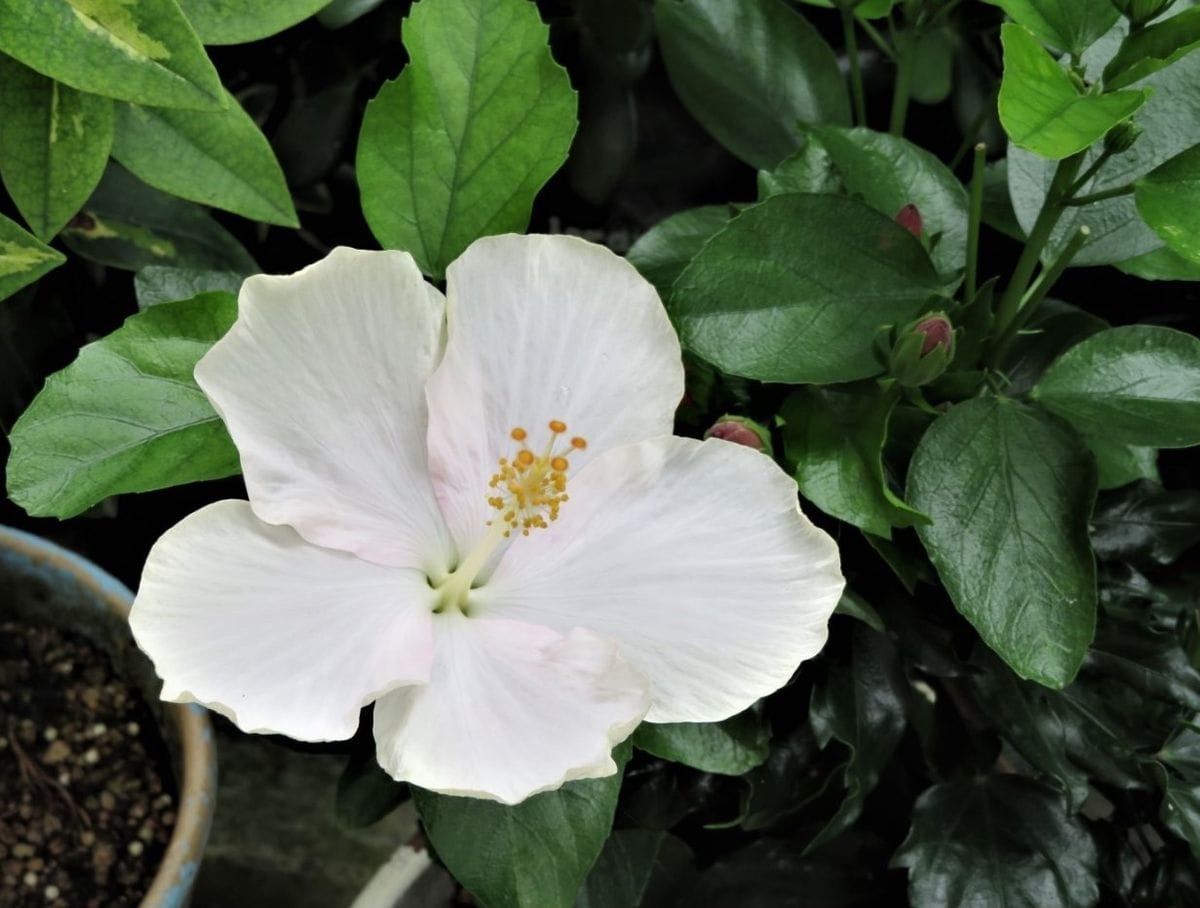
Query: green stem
{"type": "Point", "coordinates": [1090, 172]}
{"type": "Point", "coordinates": [975, 217]}
{"type": "Point", "coordinates": [881, 42]}
{"type": "Point", "coordinates": [1039, 236]}
{"type": "Point", "coordinates": [902, 88]}
{"type": "Point", "coordinates": [1101, 196]}
{"type": "Point", "coordinates": [1046, 279]}
{"type": "Point", "coordinates": [856, 82]}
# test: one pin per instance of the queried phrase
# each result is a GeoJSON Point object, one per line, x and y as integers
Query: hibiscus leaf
{"type": "Point", "coordinates": [53, 147]}
{"type": "Point", "coordinates": [1168, 198]}
{"type": "Point", "coordinates": [240, 21]}
{"type": "Point", "coordinates": [457, 146]}
{"type": "Point", "coordinates": [663, 251]}
{"type": "Point", "coordinates": [1146, 524]}
{"type": "Point", "coordinates": [218, 158]}
{"type": "Point", "coordinates": [1009, 489]}
{"type": "Point", "coordinates": [23, 258]}
{"type": "Point", "coordinates": [835, 438]}
{"type": "Point", "coordinates": [1136, 384]}
{"type": "Point", "coordinates": [795, 289]}
{"type": "Point", "coordinates": [863, 705]}
{"type": "Point", "coordinates": [1042, 110]}
{"type": "Point", "coordinates": [1155, 47]}
{"type": "Point", "coordinates": [998, 840]}
{"type": "Point", "coordinates": [638, 868]}
{"type": "Point", "coordinates": [156, 284]}
{"type": "Point", "coordinates": [776, 73]}
{"type": "Point", "coordinates": [1069, 25]}
{"type": "Point", "coordinates": [532, 855]}
{"type": "Point", "coordinates": [732, 747]}
{"type": "Point", "coordinates": [126, 416]}
{"type": "Point", "coordinates": [144, 51]}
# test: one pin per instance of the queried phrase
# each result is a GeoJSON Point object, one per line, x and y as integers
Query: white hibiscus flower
{"type": "Point", "coordinates": [470, 510]}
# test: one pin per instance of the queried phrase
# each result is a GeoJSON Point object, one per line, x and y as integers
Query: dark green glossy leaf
{"type": "Point", "coordinates": [1118, 465]}
{"type": "Point", "coordinates": [1137, 384]}
{"type": "Point", "coordinates": [888, 172]}
{"type": "Point", "coordinates": [126, 416]}
{"type": "Point", "coordinates": [1168, 199]}
{"type": "Point", "coordinates": [217, 158]}
{"type": "Point", "coordinates": [998, 840]}
{"type": "Point", "coordinates": [795, 289]}
{"type": "Point", "coordinates": [808, 170]}
{"type": "Point", "coordinates": [732, 747]}
{"type": "Point", "coordinates": [1182, 752]}
{"type": "Point", "coordinates": [1153, 48]}
{"type": "Point", "coordinates": [1146, 524]}
{"type": "Point", "coordinates": [835, 438]}
{"type": "Point", "coordinates": [144, 52]}
{"type": "Point", "coordinates": [1147, 660]}
{"type": "Point", "coordinates": [53, 146]}
{"type": "Point", "coordinates": [1055, 328]}
{"type": "Point", "coordinates": [126, 224]}
{"type": "Point", "coordinates": [1181, 811]}
{"type": "Point", "coordinates": [790, 779]}
{"type": "Point", "coordinates": [638, 868]}
{"type": "Point", "coordinates": [156, 284]}
{"type": "Point", "coordinates": [1042, 109]}
{"type": "Point", "coordinates": [855, 606]}
{"type": "Point", "coordinates": [863, 705]}
{"type": "Point", "coordinates": [665, 249]}
{"type": "Point", "coordinates": [240, 21]}
{"type": "Point", "coordinates": [23, 258]}
{"type": "Point", "coordinates": [1069, 25]}
{"type": "Point", "coordinates": [776, 73]}
{"type": "Point", "coordinates": [457, 146]}
{"type": "Point", "coordinates": [1009, 490]}
{"type": "Point", "coordinates": [533, 855]}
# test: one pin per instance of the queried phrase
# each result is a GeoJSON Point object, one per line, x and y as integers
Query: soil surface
{"type": "Point", "coordinates": [86, 802]}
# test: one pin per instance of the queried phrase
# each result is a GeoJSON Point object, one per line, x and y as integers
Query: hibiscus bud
{"type": "Point", "coordinates": [1139, 12]}
{"type": "Point", "coordinates": [741, 431]}
{"type": "Point", "coordinates": [922, 350]}
{"type": "Point", "coordinates": [909, 217]}
{"type": "Point", "coordinates": [1121, 137]}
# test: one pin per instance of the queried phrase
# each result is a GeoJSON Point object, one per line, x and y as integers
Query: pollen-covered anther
{"type": "Point", "coordinates": [532, 487]}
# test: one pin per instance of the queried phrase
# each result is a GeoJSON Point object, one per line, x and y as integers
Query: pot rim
{"type": "Point", "coordinates": [172, 883]}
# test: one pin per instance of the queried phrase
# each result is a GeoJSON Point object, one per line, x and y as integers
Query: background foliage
{"type": "Point", "coordinates": [1007, 709]}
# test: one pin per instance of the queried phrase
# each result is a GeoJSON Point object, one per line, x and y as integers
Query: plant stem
{"type": "Point", "coordinates": [873, 33]}
{"type": "Point", "coordinates": [1090, 172]}
{"type": "Point", "coordinates": [1101, 196]}
{"type": "Point", "coordinates": [1043, 227]}
{"type": "Point", "coordinates": [856, 83]}
{"type": "Point", "coordinates": [973, 221]}
{"type": "Point", "coordinates": [902, 87]}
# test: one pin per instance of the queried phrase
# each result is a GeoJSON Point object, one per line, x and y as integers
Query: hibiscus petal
{"type": "Point", "coordinates": [511, 709]}
{"type": "Point", "coordinates": [321, 382]}
{"type": "Point", "coordinates": [543, 328]}
{"type": "Point", "coordinates": [273, 632]}
{"type": "Point", "coordinates": [694, 557]}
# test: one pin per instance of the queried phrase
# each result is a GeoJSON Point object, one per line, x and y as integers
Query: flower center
{"type": "Point", "coordinates": [527, 491]}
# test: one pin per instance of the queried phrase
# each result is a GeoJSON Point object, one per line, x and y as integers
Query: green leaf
{"type": "Point", "coordinates": [53, 146]}
{"type": "Point", "coordinates": [23, 258]}
{"type": "Point", "coordinates": [863, 705]}
{"type": "Point", "coordinates": [1168, 199]}
{"type": "Point", "coordinates": [457, 147]}
{"type": "Point", "coordinates": [365, 793]}
{"type": "Point", "coordinates": [888, 172]}
{"type": "Point", "coordinates": [1181, 811]}
{"type": "Point", "coordinates": [662, 252]}
{"type": "Point", "coordinates": [775, 74]}
{"type": "Point", "coordinates": [1146, 524]}
{"type": "Point", "coordinates": [1182, 751]}
{"type": "Point", "coordinates": [126, 416]}
{"type": "Point", "coordinates": [1118, 465]}
{"type": "Point", "coordinates": [1043, 111]}
{"type": "Point", "coordinates": [795, 289]}
{"type": "Point", "coordinates": [1009, 490]}
{"type": "Point", "coordinates": [1160, 265]}
{"type": "Point", "coordinates": [638, 868]}
{"type": "Point", "coordinates": [1069, 25]}
{"type": "Point", "coordinates": [1170, 124]}
{"type": "Point", "coordinates": [730, 748]}
{"type": "Point", "coordinates": [998, 840]}
{"type": "Point", "coordinates": [156, 284]}
{"type": "Point", "coordinates": [217, 158]}
{"type": "Point", "coordinates": [533, 855]}
{"type": "Point", "coordinates": [855, 606]}
{"type": "Point", "coordinates": [933, 52]}
{"type": "Point", "coordinates": [241, 21]}
{"type": "Point", "coordinates": [1146, 659]}
{"type": "Point", "coordinates": [126, 224]}
{"type": "Point", "coordinates": [1034, 721]}
{"type": "Point", "coordinates": [808, 170]}
{"type": "Point", "coordinates": [864, 9]}
{"type": "Point", "coordinates": [134, 50]}
{"type": "Point", "coordinates": [1137, 385]}
{"type": "Point", "coordinates": [835, 438]}
{"type": "Point", "coordinates": [1155, 47]}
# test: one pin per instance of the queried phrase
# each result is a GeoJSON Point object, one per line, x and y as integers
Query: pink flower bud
{"type": "Point", "coordinates": [741, 431]}
{"type": "Point", "coordinates": [938, 333]}
{"type": "Point", "coordinates": [910, 219]}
